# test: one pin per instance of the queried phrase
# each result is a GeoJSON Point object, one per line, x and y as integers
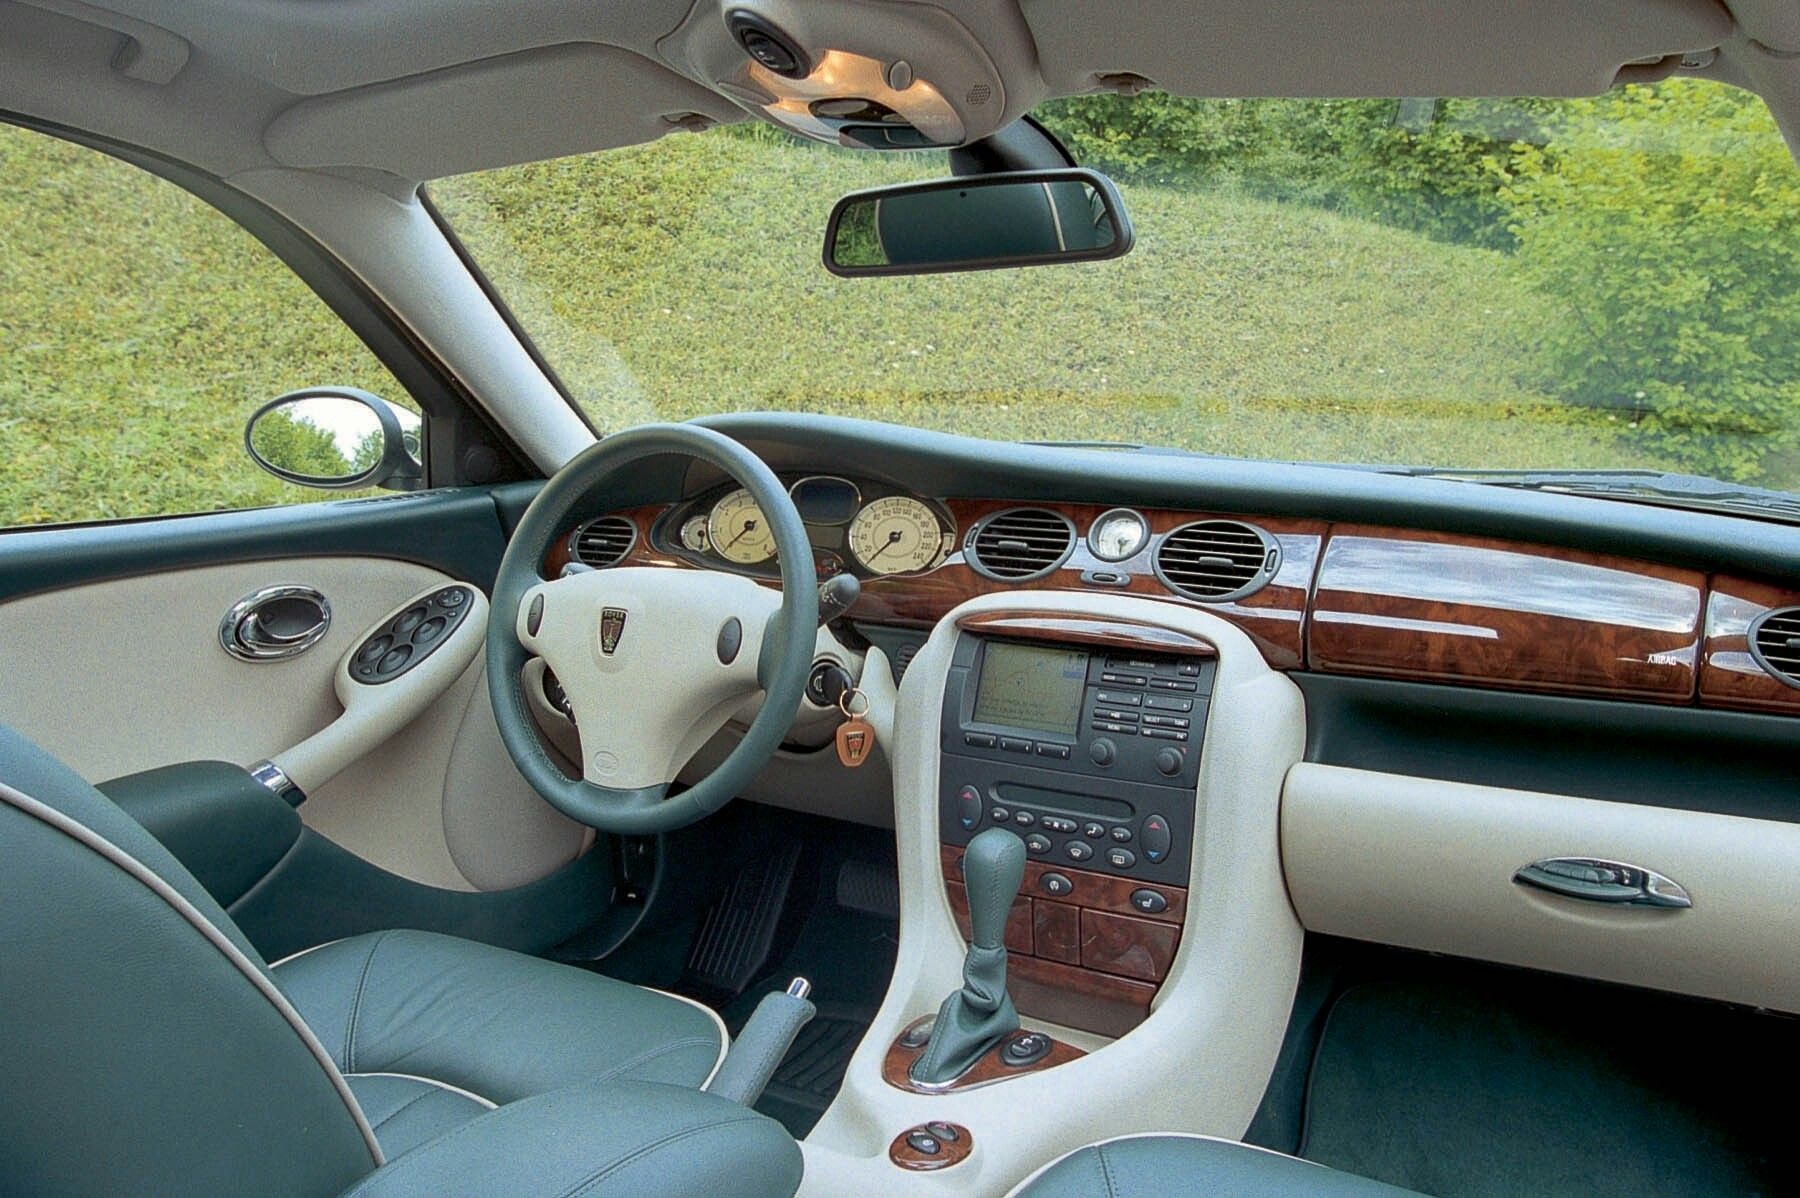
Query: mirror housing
{"type": "Point", "coordinates": [978, 222]}
{"type": "Point", "coordinates": [336, 439]}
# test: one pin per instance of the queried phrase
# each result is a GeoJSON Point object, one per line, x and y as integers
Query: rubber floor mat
{"type": "Point", "coordinates": [1453, 1092]}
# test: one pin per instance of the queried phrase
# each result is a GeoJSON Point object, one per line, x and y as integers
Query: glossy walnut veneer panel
{"type": "Point", "coordinates": [1086, 959]}
{"type": "Point", "coordinates": [1441, 608]}
{"type": "Point", "coordinates": [896, 1066]}
{"type": "Point", "coordinates": [1729, 676]}
{"type": "Point", "coordinates": [1274, 617]}
{"type": "Point", "coordinates": [950, 1152]}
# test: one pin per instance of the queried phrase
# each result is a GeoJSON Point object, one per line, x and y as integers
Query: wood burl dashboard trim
{"type": "Point", "coordinates": [1437, 608]}
{"type": "Point", "coordinates": [1729, 676]}
{"type": "Point", "coordinates": [1399, 603]}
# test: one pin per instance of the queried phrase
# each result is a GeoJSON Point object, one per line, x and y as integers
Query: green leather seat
{"type": "Point", "coordinates": [149, 1049]}
{"type": "Point", "coordinates": [1155, 1166]}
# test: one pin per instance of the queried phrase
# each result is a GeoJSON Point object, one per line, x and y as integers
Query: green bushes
{"type": "Point", "coordinates": [1660, 222]}
{"type": "Point", "coordinates": [1664, 223]}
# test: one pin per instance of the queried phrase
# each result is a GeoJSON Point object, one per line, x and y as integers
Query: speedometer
{"type": "Point", "coordinates": [896, 534]}
{"type": "Point", "coordinates": [738, 530]}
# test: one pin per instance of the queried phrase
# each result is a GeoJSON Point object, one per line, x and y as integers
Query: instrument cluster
{"type": "Point", "coordinates": [868, 528]}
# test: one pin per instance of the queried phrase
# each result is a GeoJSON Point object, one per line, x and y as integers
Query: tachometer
{"type": "Point", "coordinates": [896, 534]}
{"type": "Point", "coordinates": [738, 530]}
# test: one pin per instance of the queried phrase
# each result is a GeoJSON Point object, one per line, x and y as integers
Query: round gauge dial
{"type": "Point", "coordinates": [896, 534]}
{"type": "Point", "coordinates": [738, 530]}
{"type": "Point", "coordinates": [1117, 535]}
{"type": "Point", "coordinates": [693, 534]}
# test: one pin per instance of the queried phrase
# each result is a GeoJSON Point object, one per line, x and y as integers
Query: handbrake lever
{"type": "Point", "coordinates": [765, 1040]}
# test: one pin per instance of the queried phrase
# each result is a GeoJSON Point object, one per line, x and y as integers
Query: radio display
{"type": "Point", "coordinates": [1031, 686]}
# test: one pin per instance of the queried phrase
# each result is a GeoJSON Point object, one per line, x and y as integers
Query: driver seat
{"type": "Point", "coordinates": [149, 1047]}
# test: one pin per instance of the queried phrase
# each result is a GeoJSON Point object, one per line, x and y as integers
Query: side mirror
{"type": "Point", "coordinates": [978, 222]}
{"type": "Point", "coordinates": [336, 439]}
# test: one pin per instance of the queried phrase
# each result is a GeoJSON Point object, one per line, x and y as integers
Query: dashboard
{"type": "Point", "coordinates": [1322, 596]}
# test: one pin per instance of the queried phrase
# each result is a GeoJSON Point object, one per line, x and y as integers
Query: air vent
{"type": "Point", "coordinates": [1216, 559]}
{"type": "Point", "coordinates": [1775, 643]}
{"type": "Point", "coordinates": [604, 541]}
{"type": "Point", "coordinates": [1025, 542]}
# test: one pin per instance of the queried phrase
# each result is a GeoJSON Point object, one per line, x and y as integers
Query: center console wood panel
{"type": "Point", "coordinates": [896, 1066]}
{"type": "Point", "coordinates": [1432, 607]}
{"type": "Point", "coordinates": [1088, 959]}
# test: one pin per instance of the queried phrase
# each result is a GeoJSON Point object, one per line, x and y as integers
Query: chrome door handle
{"type": "Point", "coordinates": [1596, 880]}
{"type": "Point", "coordinates": [275, 623]}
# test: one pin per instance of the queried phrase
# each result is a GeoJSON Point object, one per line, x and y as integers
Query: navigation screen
{"type": "Point", "coordinates": [1028, 686]}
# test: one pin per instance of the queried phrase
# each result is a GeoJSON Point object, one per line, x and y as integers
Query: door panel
{"type": "Point", "coordinates": [109, 644]}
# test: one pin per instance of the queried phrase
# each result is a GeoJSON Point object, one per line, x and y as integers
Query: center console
{"type": "Point", "coordinates": [1138, 749]}
{"type": "Point", "coordinates": [1091, 755]}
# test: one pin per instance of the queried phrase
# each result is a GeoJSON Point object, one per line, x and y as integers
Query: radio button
{"type": "Point", "coordinates": [1126, 679]}
{"type": "Point", "coordinates": [1037, 843]}
{"type": "Point", "coordinates": [1060, 752]}
{"type": "Point", "coordinates": [1110, 726]}
{"type": "Point", "coordinates": [1056, 823]}
{"type": "Point", "coordinates": [1166, 733]}
{"type": "Point", "coordinates": [1119, 698]}
{"type": "Point", "coordinates": [1121, 833]}
{"type": "Point", "coordinates": [1113, 713]}
{"type": "Point", "coordinates": [1000, 814]}
{"type": "Point", "coordinates": [1166, 721]}
{"type": "Point", "coordinates": [1013, 744]}
{"type": "Point", "coordinates": [979, 740]}
{"type": "Point", "coordinates": [1168, 703]}
{"type": "Point", "coordinates": [1079, 850]}
{"type": "Point", "coordinates": [1173, 684]}
{"type": "Point", "coordinates": [1121, 858]}
{"type": "Point", "coordinates": [1093, 831]}
{"type": "Point", "coordinates": [1024, 819]}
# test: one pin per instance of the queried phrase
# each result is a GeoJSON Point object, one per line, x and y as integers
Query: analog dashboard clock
{"type": "Point", "coordinates": [896, 535]}
{"type": "Point", "coordinates": [1117, 535]}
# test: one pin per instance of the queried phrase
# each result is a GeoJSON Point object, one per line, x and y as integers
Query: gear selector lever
{"type": "Point", "coordinates": [974, 1018]}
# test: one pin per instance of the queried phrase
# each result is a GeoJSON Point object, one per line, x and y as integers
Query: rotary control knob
{"type": "Point", "coordinates": [1169, 762]}
{"type": "Point", "coordinates": [1102, 751]}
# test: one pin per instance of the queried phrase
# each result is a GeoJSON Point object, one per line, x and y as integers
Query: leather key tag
{"type": "Point", "coordinates": [855, 736]}
{"type": "Point", "coordinates": [854, 740]}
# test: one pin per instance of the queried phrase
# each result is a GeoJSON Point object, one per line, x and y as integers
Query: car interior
{"type": "Point", "coordinates": [784, 802]}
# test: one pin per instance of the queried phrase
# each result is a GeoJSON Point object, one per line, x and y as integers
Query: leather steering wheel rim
{"type": "Point", "coordinates": [782, 667]}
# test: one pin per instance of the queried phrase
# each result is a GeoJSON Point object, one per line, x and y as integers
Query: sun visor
{"type": "Point", "coordinates": [522, 107]}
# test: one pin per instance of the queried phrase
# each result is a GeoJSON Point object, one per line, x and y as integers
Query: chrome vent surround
{"type": "Point", "coordinates": [600, 543]}
{"type": "Point", "coordinates": [1020, 543]}
{"type": "Point", "coordinates": [1775, 643]}
{"type": "Point", "coordinates": [1216, 560]}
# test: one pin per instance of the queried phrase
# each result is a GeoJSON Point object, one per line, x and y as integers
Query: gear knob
{"type": "Point", "coordinates": [993, 868]}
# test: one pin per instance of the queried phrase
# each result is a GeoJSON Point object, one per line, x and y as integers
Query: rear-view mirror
{"type": "Point", "coordinates": [978, 222]}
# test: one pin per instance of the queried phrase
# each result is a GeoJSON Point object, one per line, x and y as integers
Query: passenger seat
{"type": "Point", "coordinates": [1154, 1166]}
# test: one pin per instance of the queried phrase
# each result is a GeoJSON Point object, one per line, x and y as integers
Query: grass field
{"type": "Point", "coordinates": [139, 328]}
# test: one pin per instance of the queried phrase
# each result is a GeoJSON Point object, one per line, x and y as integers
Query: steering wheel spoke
{"type": "Point", "coordinates": [654, 661]}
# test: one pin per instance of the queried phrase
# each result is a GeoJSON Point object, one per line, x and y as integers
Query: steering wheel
{"type": "Point", "coordinates": [653, 660]}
